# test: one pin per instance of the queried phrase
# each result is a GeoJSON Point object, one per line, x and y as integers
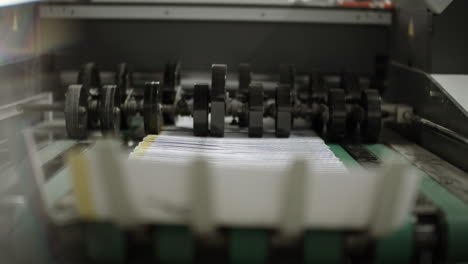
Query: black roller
{"type": "Point", "coordinates": [372, 122]}
{"type": "Point", "coordinates": [124, 82]}
{"type": "Point", "coordinates": [218, 97]}
{"type": "Point", "coordinates": [76, 114]}
{"type": "Point", "coordinates": [152, 109]}
{"type": "Point", "coordinates": [336, 128]}
{"type": "Point", "coordinates": [109, 112]}
{"type": "Point", "coordinates": [283, 117]}
{"type": "Point", "coordinates": [353, 100]}
{"type": "Point", "coordinates": [90, 80]}
{"type": "Point", "coordinates": [201, 98]}
{"type": "Point", "coordinates": [255, 116]}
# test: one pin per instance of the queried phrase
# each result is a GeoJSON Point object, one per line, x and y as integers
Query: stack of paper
{"type": "Point", "coordinates": [240, 182]}
{"type": "Point", "coordinates": [236, 148]}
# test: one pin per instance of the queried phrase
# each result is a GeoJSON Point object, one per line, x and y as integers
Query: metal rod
{"type": "Point", "coordinates": [443, 130]}
{"type": "Point", "coordinates": [55, 107]}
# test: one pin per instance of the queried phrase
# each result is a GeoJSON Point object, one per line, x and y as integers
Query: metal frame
{"type": "Point", "coordinates": [454, 87]}
{"type": "Point", "coordinates": [452, 178]}
{"type": "Point", "coordinates": [229, 2]}
{"type": "Point", "coordinates": [218, 13]}
{"type": "Point", "coordinates": [432, 102]}
{"type": "Point", "coordinates": [13, 109]}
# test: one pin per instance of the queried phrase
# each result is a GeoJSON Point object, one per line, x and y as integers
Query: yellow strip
{"type": "Point", "coordinates": [411, 28]}
{"type": "Point", "coordinates": [143, 146]}
{"type": "Point", "coordinates": [81, 184]}
{"type": "Point", "coordinates": [150, 138]}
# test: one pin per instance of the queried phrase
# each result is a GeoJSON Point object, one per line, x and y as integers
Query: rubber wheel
{"type": "Point", "coordinates": [283, 117]}
{"type": "Point", "coordinates": [109, 112]}
{"type": "Point", "coordinates": [152, 115]}
{"type": "Point", "coordinates": [124, 81]}
{"type": "Point", "coordinates": [372, 123]}
{"type": "Point", "coordinates": [201, 98]}
{"type": "Point", "coordinates": [218, 99]}
{"type": "Point", "coordinates": [255, 117]}
{"type": "Point", "coordinates": [90, 80]}
{"type": "Point", "coordinates": [76, 114]}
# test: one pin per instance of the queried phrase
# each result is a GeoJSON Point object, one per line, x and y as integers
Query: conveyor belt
{"type": "Point", "coordinates": [385, 250]}
{"type": "Point", "coordinates": [330, 244]}
{"type": "Point", "coordinates": [455, 210]}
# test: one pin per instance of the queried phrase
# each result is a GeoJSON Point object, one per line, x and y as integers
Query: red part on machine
{"type": "Point", "coordinates": [366, 4]}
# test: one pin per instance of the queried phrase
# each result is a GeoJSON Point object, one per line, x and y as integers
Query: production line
{"type": "Point", "coordinates": [336, 110]}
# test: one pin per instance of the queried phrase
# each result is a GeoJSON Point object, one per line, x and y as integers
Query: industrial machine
{"type": "Point", "coordinates": [337, 112]}
{"type": "Point", "coordinates": [319, 131]}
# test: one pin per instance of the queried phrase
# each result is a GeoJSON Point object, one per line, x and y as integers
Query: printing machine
{"type": "Point", "coordinates": [378, 81]}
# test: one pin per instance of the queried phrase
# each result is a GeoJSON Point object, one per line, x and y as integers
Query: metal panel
{"type": "Point", "coordinates": [147, 45]}
{"type": "Point", "coordinates": [455, 87]}
{"type": "Point", "coordinates": [450, 39]}
{"type": "Point", "coordinates": [432, 43]}
{"type": "Point", "coordinates": [13, 109]}
{"type": "Point", "coordinates": [418, 89]}
{"type": "Point", "coordinates": [217, 13]}
{"type": "Point", "coordinates": [412, 38]}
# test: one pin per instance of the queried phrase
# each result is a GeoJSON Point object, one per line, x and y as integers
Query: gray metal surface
{"type": "Point", "coordinates": [14, 109]}
{"type": "Point", "coordinates": [455, 87]}
{"type": "Point", "coordinates": [217, 13]}
{"type": "Point", "coordinates": [447, 175]}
